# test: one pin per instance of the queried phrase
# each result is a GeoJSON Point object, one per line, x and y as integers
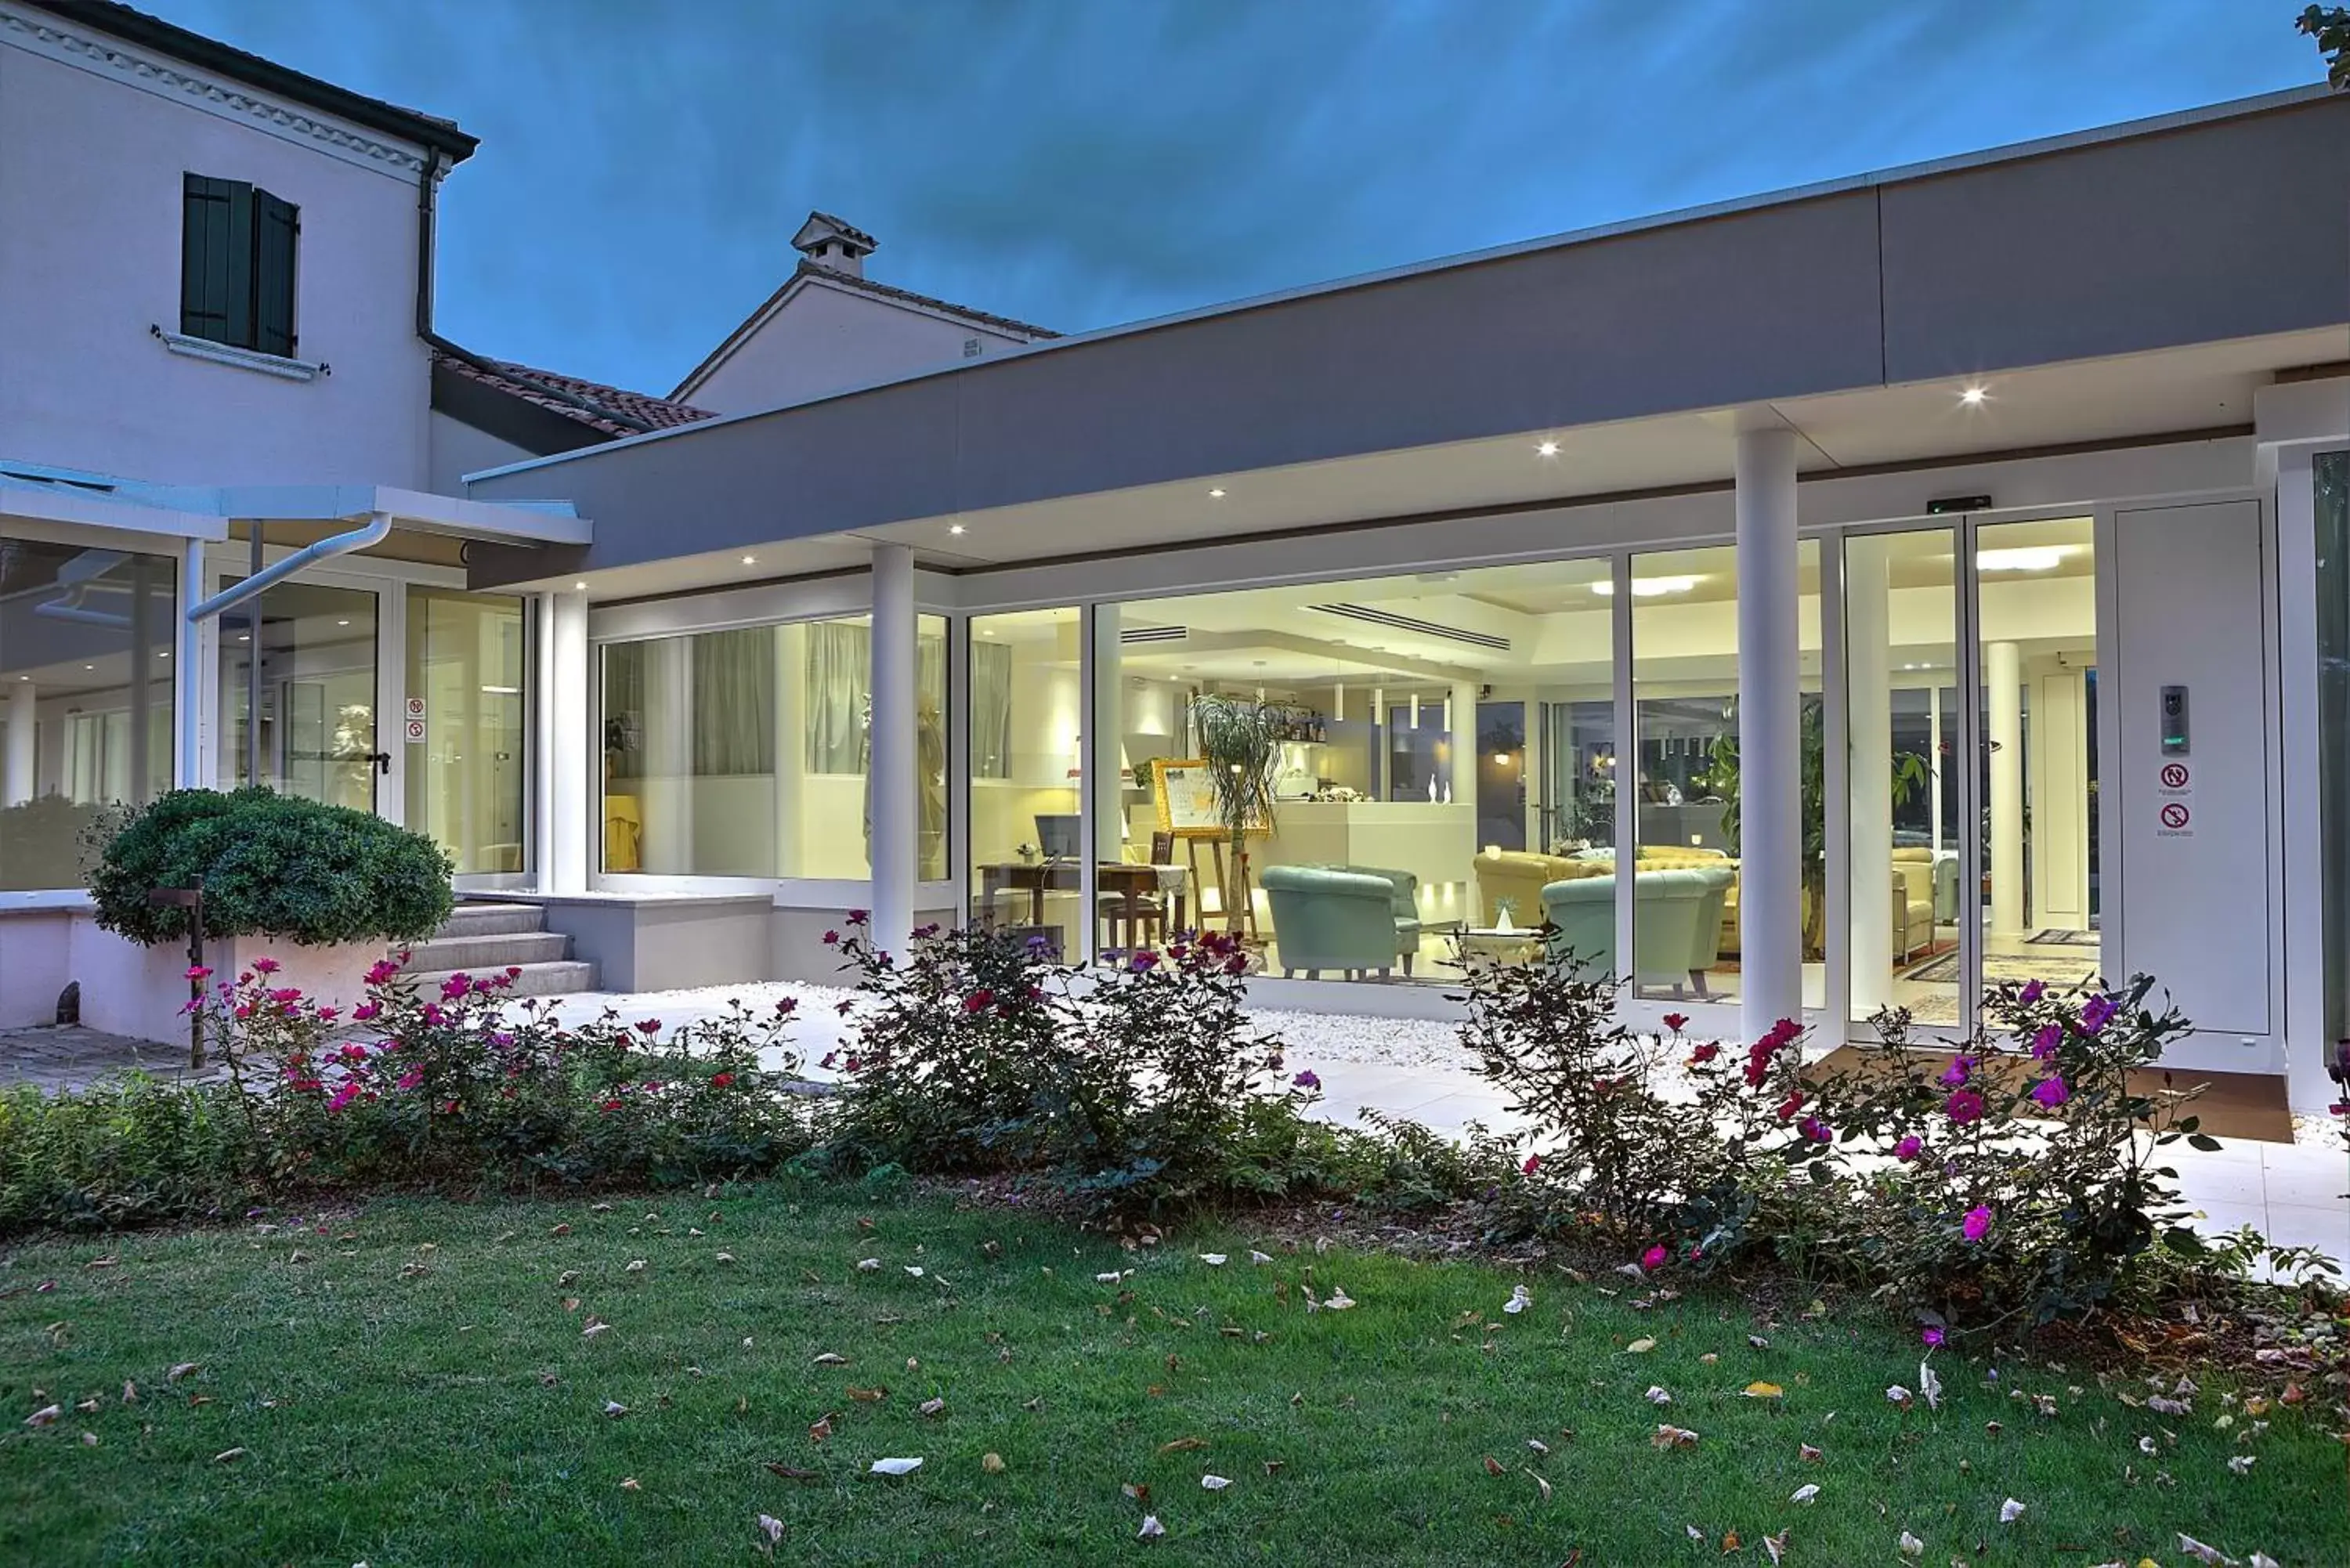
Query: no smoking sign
{"type": "Point", "coordinates": [2174, 776]}
{"type": "Point", "coordinates": [2175, 818]}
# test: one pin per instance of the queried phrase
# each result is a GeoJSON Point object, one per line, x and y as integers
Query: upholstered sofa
{"type": "Point", "coordinates": [1351, 919]}
{"type": "Point", "coordinates": [1518, 876]}
{"type": "Point", "coordinates": [1932, 878]}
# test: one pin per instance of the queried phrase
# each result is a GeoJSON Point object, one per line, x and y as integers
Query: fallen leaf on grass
{"type": "Point", "coordinates": [772, 1527]}
{"type": "Point", "coordinates": [1213, 1260]}
{"type": "Point", "coordinates": [630, 1484]}
{"type": "Point", "coordinates": [2010, 1511]}
{"type": "Point", "coordinates": [596, 1325]}
{"type": "Point", "coordinates": [1729, 1542]}
{"type": "Point", "coordinates": [1805, 1494]}
{"type": "Point", "coordinates": [1520, 1299]}
{"type": "Point", "coordinates": [1640, 1347]}
{"type": "Point", "coordinates": [1763, 1391]}
{"type": "Point", "coordinates": [1930, 1386]}
{"type": "Point", "coordinates": [991, 1463]}
{"type": "Point", "coordinates": [868, 1395]}
{"type": "Point", "coordinates": [615, 1409]}
{"type": "Point", "coordinates": [1272, 1466]}
{"type": "Point", "coordinates": [130, 1392]}
{"type": "Point", "coordinates": [1493, 1467]}
{"type": "Point", "coordinates": [820, 1428]}
{"type": "Point", "coordinates": [1338, 1300]}
{"type": "Point", "coordinates": [914, 1269]}
{"type": "Point", "coordinates": [932, 1407]}
{"type": "Point", "coordinates": [1214, 1483]}
{"type": "Point", "coordinates": [1668, 1436]}
{"type": "Point", "coordinates": [1806, 1453]}
{"type": "Point", "coordinates": [725, 1257]}
{"type": "Point", "coordinates": [1182, 1445]}
{"type": "Point", "coordinates": [1139, 1491]}
{"type": "Point", "coordinates": [560, 1230]}
{"type": "Point", "coordinates": [45, 1417]}
{"type": "Point", "coordinates": [896, 1467]}
{"type": "Point", "coordinates": [1910, 1546]}
{"type": "Point", "coordinates": [89, 1440]}
{"type": "Point", "coordinates": [1899, 1395]}
{"type": "Point", "coordinates": [792, 1472]}
{"type": "Point", "coordinates": [1776, 1545]}
{"type": "Point", "coordinates": [1151, 1529]}
{"type": "Point", "coordinates": [1657, 1396]}
{"type": "Point", "coordinates": [102, 1262]}
{"type": "Point", "coordinates": [1538, 1445]}
{"type": "Point", "coordinates": [182, 1370]}
{"type": "Point", "coordinates": [2201, 1553]}
{"type": "Point", "coordinates": [867, 1265]}
{"type": "Point", "coordinates": [1540, 1484]}
{"type": "Point", "coordinates": [828, 1358]}
{"type": "Point", "coordinates": [228, 1456]}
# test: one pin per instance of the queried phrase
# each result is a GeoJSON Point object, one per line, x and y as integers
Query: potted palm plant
{"type": "Point", "coordinates": [1241, 741]}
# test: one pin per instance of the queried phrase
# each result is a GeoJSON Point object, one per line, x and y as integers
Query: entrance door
{"type": "Point", "coordinates": [1971, 790]}
{"type": "Point", "coordinates": [313, 730]}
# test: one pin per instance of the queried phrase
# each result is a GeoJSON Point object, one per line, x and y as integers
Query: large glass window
{"type": "Point", "coordinates": [1412, 809]}
{"type": "Point", "coordinates": [2331, 498]}
{"type": "Point", "coordinates": [463, 728]}
{"type": "Point", "coordinates": [1900, 662]}
{"type": "Point", "coordinates": [316, 732]}
{"type": "Point", "coordinates": [1027, 765]}
{"type": "Point", "coordinates": [1686, 886]}
{"type": "Point", "coordinates": [85, 650]}
{"type": "Point", "coordinates": [2037, 901]}
{"type": "Point", "coordinates": [746, 752]}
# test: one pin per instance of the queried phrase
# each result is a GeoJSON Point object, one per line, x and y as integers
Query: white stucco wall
{"type": "Point", "coordinates": [824, 339]}
{"type": "Point", "coordinates": [91, 159]}
{"type": "Point", "coordinates": [457, 448]}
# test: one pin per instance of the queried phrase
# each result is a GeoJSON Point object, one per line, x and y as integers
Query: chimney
{"type": "Point", "coordinates": [827, 242]}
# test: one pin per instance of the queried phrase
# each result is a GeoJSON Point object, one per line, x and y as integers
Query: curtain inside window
{"type": "Point", "coordinates": [991, 710]}
{"type": "Point", "coordinates": [839, 684]}
{"type": "Point", "coordinates": [734, 702]}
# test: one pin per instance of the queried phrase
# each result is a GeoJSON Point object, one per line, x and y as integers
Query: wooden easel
{"type": "Point", "coordinates": [1235, 886]}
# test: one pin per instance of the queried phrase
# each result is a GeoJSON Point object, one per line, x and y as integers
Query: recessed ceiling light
{"type": "Point", "coordinates": [954, 528]}
{"type": "Point", "coordinates": [1216, 492]}
{"type": "Point", "coordinates": [244, 637]}
{"type": "Point", "coordinates": [342, 623]}
{"type": "Point", "coordinates": [165, 654]}
{"type": "Point", "coordinates": [750, 560]}
{"type": "Point", "coordinates": [1974, 396]}
{"type": "Point", "coordinates": [580, 586]}
{"type": "Point", "coordinates": [89, 667]}
{"type": "Point", "coordinates": [1546, 449]}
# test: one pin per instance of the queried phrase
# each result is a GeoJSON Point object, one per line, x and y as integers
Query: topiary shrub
{"type": "Point", "coordinates": [271, 863]}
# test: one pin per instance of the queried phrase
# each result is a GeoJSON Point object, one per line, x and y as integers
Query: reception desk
{"type": "Point", "coordinates": [1435, 842]}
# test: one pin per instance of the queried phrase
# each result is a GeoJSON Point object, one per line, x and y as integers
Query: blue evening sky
{"type": "Point", "coordinates": [1080, 162]}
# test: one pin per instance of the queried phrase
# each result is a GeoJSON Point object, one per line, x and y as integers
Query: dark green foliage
{"type": "Point", "coordinates": [271, 863]}
{"type": "Point", "coordinates": [2329, 25]}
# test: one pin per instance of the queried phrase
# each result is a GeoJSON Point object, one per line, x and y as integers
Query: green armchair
{"type": "Point", "coordinates": [1403, 899]}
{"type": "Point", "coordinates": [1672, 913]}
{"type": "Point", "coordinates": [1343, 920]}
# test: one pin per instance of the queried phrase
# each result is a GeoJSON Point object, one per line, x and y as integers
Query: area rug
{"type": "Point", "coordinates": [2066, 969]}
{"type": "Point", "coordinates": [2066, 938]}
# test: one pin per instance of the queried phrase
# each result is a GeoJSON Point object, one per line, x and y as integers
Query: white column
{"type": "Point", "coordinates": [1461, 711]}
{"type": "Point", "coordinates": [1934, 759]}
{"type": "Point", "coordinates": [191, 679]}
{"type": "Point", "coordinates": [2003, 674]}
{"type": "Point", "coordinates": [792, 857]}
{"type": "Point", "coordinates": [1106, 730]}
{"type": "Point", "coordinates": [24, 755]}
{"type": "Point", "coordinates": [896, 801]}
{"type": "Point", "coordinates": [1868, 719]}
{"type": "Point", "coordinates": [1769, 789]}
{"type": "Point", "coordinates": [566, 789]}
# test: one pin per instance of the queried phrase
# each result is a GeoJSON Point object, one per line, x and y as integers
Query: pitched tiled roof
{"type": "Point", "coordinates": [609, 409]}
{"type": "Point", "coordinates": [809, 269]}
{"type": "Point", "coordinates": [888, 291]}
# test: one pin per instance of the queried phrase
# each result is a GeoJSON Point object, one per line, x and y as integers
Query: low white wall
{"type": "Point", "coordinates": [34, 945]}
{"type": "Point", "coordinates": [138, 991]}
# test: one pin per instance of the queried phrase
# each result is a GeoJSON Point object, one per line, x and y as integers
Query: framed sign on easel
{"type": "Point", "coordinates": [1186, 799]}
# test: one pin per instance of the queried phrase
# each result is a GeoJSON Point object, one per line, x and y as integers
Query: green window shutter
{"type": "Point", "coordinates": [205, 259]}
{"type": "Point", "coordinates": [277, 225]}
{"type": "Point", "coordinates": [238, 284]}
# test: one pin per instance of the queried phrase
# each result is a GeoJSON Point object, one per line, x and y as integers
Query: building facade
{"type": "Point", "coordinates": [1917, 583]}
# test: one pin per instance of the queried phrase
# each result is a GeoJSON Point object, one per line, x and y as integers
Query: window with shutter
{"type": "Point", "coordinates": [237, 250]}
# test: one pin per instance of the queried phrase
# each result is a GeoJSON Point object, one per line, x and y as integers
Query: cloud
{"type": "Point", "coordinates": [1079, 162]}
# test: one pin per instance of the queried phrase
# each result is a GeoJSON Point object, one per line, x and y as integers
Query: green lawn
{"type": "Point", "coordinates": [416, 1392]}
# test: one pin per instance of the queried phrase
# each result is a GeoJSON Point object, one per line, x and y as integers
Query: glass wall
{"type": "Point", "coordinates": [1901, 645]}
{"type": "Point", "coordinates": [1409, 811]}
{"type": "Point", "coordinates": [1027, 766]}
{"type": "Point", "coordinates": [86, 641]}
{"type": "Point", "coordinates": [1685, 675]}
{"type": "Point", "coordinates": [746, 752]}
{"type": "Point", "coordinates": [2330, 482]}
{"type": "Point", "coordinates": [317, 724]}
{"type": "Point", "coordinates": [463, 729]}
{"type": "Point", "coordinates": [2037, 901]}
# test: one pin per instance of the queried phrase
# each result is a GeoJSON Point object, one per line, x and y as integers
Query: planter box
{"type": "Point", "coordinates": [138, 991]}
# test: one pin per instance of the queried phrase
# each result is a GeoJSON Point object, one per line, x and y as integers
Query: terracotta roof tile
{"type": "Point", "coordinates": [611, 410]}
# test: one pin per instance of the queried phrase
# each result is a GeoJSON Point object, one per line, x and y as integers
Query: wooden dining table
{"type": "Point", "coordinates": [1128, 884]}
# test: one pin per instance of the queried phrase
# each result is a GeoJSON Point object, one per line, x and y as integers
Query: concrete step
{"type": "Point", "coordinates": [493, 919]}
{"type": "Point", "coordinates": [482, 954]}
{"type": "Point", "coordinates": [562, 978]}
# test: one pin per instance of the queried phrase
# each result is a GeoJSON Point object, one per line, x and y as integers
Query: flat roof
{"type": "Point", "coordinates": [2209, 225]}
